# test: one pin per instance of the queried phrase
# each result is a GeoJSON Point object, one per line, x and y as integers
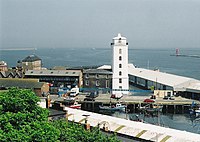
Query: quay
{"type": "Point", "coordinates": [178, 105]}
{"type": "Point", "coordinates": [131, 129]}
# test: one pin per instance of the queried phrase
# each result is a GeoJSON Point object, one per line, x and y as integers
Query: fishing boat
{"type": "Point", "coordinates": [154, 108]}
{"type": "Point", "coordinates": [150, 109]}
{"type": "Point", "coordinates": [76, 105]}
{"type": "Point", "coordinates": [195, 109]}
{"type": "Point", "coordinates": [116, 107]}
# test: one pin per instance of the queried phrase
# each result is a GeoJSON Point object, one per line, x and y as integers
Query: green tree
{"type": "Point", "coordinates": [21, 119]}
{"type": "Point", "coordinates": [72, 132]}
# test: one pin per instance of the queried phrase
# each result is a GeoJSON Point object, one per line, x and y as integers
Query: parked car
{"type": "Point", "coordinates": [89, 99]}
{"type": "Point", "coordinates": [168, 98]}
{"type": "Point", "coordinates": [92, 94]}
{"type": "Point", "coordinates": [149, 101]}
{"type": "Point", "coordinates": [116, 96]}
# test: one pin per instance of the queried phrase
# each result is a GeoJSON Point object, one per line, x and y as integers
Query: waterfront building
{"type": "Point", "coordinates": [156, 80]}
{"type": "Point", "coordinates": [94, 79]}
{"type": "Point", "coordinates": [57, 78]}
{"type": "Point", "coordinates": [31, 62]}
{"type": "Point", "coordinates": [120, 80]}
{"type": "Point", "coordinates": [3, 66]}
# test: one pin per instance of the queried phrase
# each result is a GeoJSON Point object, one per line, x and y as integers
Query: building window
{"type": "Point", "coordinates": [120, 73]}
{"type": "Point", "coordinates": [119, 40]}
{"type": "Point", "coordinates": [120, 65]}
{"type": "Point", "coordinates": [87, 75]}
{"type": "Point", "coordinates": [120, 58]}
{"type": "Point", "coordinates": [87, 83]}
{"type": "Point", "coordinates": [120, 51]}
{"type": "Point", "coordinates": [120, 87]}
{"type": "Point", "coordinates": [120, 80]}
{"type": "Point", "coordinates": [97, 83]}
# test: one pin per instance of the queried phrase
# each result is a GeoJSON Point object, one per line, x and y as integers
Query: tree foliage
{"type": "Point", "coordinates": [72, 132]}
{"type": "Point", "coordinates": [21, 119]}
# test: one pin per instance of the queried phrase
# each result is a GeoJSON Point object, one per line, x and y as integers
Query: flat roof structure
{"type": "Point", "coordinates": [97, 71]}
{"type": "Point", "coordinates": [53, 72]}
{"type": "Point", "coordinates": [178, 83]}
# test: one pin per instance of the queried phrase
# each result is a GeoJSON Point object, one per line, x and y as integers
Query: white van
{"type": "Point", "coordinates": [74, 92]}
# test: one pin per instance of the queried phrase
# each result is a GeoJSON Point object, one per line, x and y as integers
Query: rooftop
{"type": "Point", "coordinates": [175, 81]}
{"type": "Point", "coordinates": [21, 83]}
{"type": "Point", "coordinates": [53, 72]}
{"type": "Point", "coordinates": [119, 37]}
{"type": "Point", "coordinates": [31, 58]}
{"type": "Point", "coordinates": [97, 71]}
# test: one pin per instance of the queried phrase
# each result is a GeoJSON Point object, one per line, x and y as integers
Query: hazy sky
{"type": "Point", "coordinates": [93, 23]}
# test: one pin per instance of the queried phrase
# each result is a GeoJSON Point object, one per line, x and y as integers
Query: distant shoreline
{"type": "Point", "coordinates": [18, 49]}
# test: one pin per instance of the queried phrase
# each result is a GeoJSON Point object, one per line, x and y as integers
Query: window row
{"type": "Point", "coordinates": [87, 83]}
{"type": "Point", "coordinates": [97, 76]}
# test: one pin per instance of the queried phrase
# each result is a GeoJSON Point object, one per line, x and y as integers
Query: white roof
{"type": "Point", "coordinates": [108, 67]}
{"type": "Point", "coordinates": [175, 81]}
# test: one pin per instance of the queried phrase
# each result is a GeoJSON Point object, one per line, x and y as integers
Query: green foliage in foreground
{"type": "Point", "coordinates": [21, 119]}
{"type": "Point", "coordinates": [72, 132]}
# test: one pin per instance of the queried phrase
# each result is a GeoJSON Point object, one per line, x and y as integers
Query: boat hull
{"type": "Point", "coordinates": [78, 106]}
{"type": "Point", "coordinates": [121, 108]}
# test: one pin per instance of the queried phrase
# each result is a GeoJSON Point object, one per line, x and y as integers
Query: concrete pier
{"type": "Point", "coordinates": [179, 105]}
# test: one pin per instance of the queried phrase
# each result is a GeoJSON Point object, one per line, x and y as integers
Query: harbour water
{"type": "Point", "coordinates": [145, 58]}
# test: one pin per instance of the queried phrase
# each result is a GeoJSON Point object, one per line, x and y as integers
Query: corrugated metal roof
{"type": "Point", "coordinates": [174, 81]}
{"type": "Point", "coordinates": [21, 83]}
{"type": "Point", "coordinates": [53, 73]}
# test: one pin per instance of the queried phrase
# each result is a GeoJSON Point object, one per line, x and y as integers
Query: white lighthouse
{"type": "Point", "coordinates": [120, 81]}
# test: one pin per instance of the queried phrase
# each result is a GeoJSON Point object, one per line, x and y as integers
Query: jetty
{"type": "Point", "coordinates": [178, 105]}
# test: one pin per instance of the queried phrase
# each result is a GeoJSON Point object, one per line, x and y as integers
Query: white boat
{"type": "Point", "coordinates": [197, 112]}
{"type": "Point", "coordinates": [116, 107]}
{"type": "Point", "coordinates": [76, 105]}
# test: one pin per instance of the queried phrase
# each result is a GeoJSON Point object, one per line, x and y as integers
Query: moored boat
{"type": "Point", "coordinates": [195, 109]}
{"type": "Point", "coordinates": [76, 105]}
{"type": "Point", "coordinates": [116, 107]}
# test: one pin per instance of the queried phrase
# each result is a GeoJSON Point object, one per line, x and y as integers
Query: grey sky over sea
{"type": "Point", "coordinates": [93, 23]}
